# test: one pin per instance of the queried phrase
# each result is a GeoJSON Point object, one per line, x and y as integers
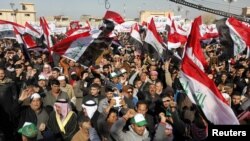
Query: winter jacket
{"type": "Point", "coordinates": [119, 135]}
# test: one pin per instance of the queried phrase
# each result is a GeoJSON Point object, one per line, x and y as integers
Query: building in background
{"type": "Point", "coordinates": [27, 12]}
{"type": "Point", "coordinates": [144, 15]}
{"type": "Point", "coordinates": [59, 21]}
{"type": "Point", "coordinates": [93, 21]}
{"type": "Point", "coordinates": [246, 12]}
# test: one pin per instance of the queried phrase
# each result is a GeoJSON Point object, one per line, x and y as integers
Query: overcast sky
{"type": "Point", "coordinates": [127, 8]}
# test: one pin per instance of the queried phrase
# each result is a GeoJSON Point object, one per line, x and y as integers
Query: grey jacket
{"type": "Point", "coordinates": [160, 134]}
{"type": "Point", "coordinates": [119, 135]}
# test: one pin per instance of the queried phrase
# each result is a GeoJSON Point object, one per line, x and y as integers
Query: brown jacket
{"type": "Point", "coordinates": [81, 135]}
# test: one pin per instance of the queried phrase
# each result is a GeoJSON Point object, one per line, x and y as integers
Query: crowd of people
{"type": "Point", "coordinates": [124, 96]}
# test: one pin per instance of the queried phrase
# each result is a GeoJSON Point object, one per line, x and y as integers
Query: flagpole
{"type": "Point", "coordinates": [124, 10]}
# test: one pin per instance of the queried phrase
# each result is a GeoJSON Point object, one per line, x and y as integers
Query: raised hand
{"type": "Point", "coordinates": [166, 64]}
{"type": "Point", "coordinates": [163, 117]}
{"type": "Point", "coordinates": [25, 94]}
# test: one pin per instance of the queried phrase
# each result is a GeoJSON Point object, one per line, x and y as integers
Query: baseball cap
{"type": "Point", "coordinates": [113, 74]}
{"type": "Point", "coordinates": [123, 71]}
{"type": "Point", "coordinates": [29, 130]}
{"type": "Point", "coordinates": [139, 120]}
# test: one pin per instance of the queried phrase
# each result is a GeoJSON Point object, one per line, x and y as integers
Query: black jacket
{"type": "Point", "coordinates": [8, 95]}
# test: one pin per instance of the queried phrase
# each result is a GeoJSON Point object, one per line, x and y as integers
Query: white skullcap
{"type": "Point", "coordinates": [41, 77]}
{"type": "Point", "coordinates": [35, 96]}
{"type": "Point", "coordinates": [61, 78]}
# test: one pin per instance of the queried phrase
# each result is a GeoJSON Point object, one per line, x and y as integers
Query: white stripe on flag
{"type": "Point", "coordinates": [214, 109]}
{"type": "Point", "coordinates": [150, 39]}
{"type": "Point", "coordinates": [202, 91]}
{"type": "Point", "coordinates": [239, 43]}
{"type": "Point", "coordinates": [192, 56]}
{"type": "Point", "coordinates": [136, 36]}
{"type": "Point", "coordinates": [172, 45]}
{"type": "Point", "coordinates": [78, 47]}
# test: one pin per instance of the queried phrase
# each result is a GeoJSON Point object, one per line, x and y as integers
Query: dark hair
{"type": "Point", "coordinates": [54, 82]}
{"type": "Point", "coordinates": [112, 110]}
{"type": "Point", "coordinates": [29, 65]}
{"type": "Point", "coordinates": [95, 85]}
{"type": "Point", "coordinates": [109, 89]}
{"type": "Point", "coordinates": [18, 66]}
{"type": "Point", "coordinates": [141, 102]}
{"type": "Point", "coordinates": [85, 71]}
{"type": "Point", "coordinates": [159, 81]}
{"type": "Point", "coordinates": [56, 69]}
{"type": "Point", "coordinates": [82, 119]}
{"type": "Point", "coordinates": [237, 93]}
{"type": "Point", "coordinates": [75, 77]}
{"type": "Point", "coordinates": [3, 69]}
{"type": "Point", "coordinates": [105, 66]}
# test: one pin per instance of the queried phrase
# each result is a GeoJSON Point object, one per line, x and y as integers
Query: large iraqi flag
{"type": "Point", "coordinates": [7, 29]}
{"type": "Point", "coordinates": [203, 92]}
{"type": "Point", "coordinates": [74, 46]}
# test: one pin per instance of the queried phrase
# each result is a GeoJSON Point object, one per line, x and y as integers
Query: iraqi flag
{"type": "Point", "coordinates": [135, 38]}
{"type": "Point", "coordinates": [73, 32]}
{"type": "Point", "coordinates": [175, 39]}
{"type": "Point", "coordinates": [193, 47]}
{"type": "Point", "coordinates": [18, 36]}
{"type": "Point", "coordinates": [240, 34]}
{"type": "Point", "coordinates": [154, 40]}
{"type": "Point", "coordinates": [7, 29]}
{"type": "Point", "coordinates": [74, 46]}
{"type": "Point", "coordinates": [46, 32]}
{"type": "Point", "coordinates": [113, 16]}
{"type": "Point", "coordinates": [29, 41]}
{"type": "Point", "coordinates": [32, 31]}
{"type": "Point", "coordinates": [22, 43]}
{"type": "Point", "coordinates": [203, 92]}
{"type": "Point", "coordinates": [74, 25]}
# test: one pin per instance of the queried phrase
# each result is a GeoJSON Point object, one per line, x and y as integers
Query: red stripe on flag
{"type": "Point", "coordinates": [192, 70]}
{"type": "Point", "coordinates": [30, 43]}
{"type": "Point", "coordinates": [241, 28]}
{"type": "Point", "coordinates": [194, 42]}
{"type": "Point", "coordinates": [30, 27]}
{"type": "Point", "coordinates": [152, 28]}
{"type": "Point", "coordinates": [113, 16]}
{"type": "Point", "coordinates": [12, 23]}
{"type": "Point", "coordinates": [64, 44]}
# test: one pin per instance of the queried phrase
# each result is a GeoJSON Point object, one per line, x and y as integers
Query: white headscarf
{"type": "Point", "coordinates": [90, 106]}
{"type": "Point", "coordinates": [65, 108]}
